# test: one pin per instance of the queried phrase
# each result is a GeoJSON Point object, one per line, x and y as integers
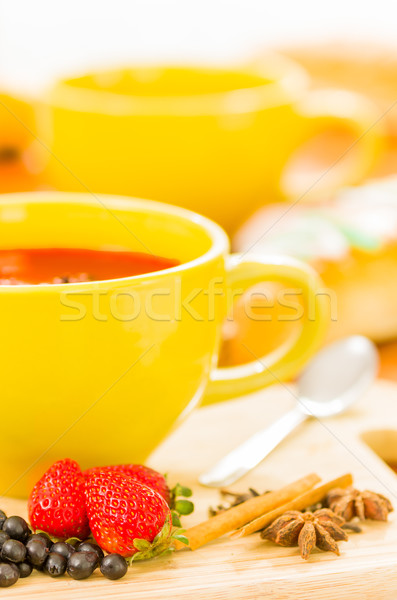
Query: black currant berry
{"type": "Point", "coordinates": [14, 551]}
{"type": "Point", "coordinates": [82, 564]}
{"type": "Point", "coordinates": [114, 566]}
{"type": "Point", "coordinates": [3, 538]}
{"type": "Point", "coordinates": [55, 565]}
{"type": "Point", "coordinates": [41, 536]}
{"type": "Point", "coordinates": [36, 551]}
{"type": "Point", "coordinates": [89, 546]}
{"type": "Point", "coordinates": [17, 528]}
{"type": "Point", "coordinates": [9, 574]}
{"type": "Point", "coordinates": [63, 548]}
{"type": "Point", "coordinates": [25, 569]}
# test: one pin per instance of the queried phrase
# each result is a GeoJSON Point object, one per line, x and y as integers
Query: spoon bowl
{"type": "Point", "coordinates": [337, 376]}
{"type": "Point", "coordinates": [334, 379]}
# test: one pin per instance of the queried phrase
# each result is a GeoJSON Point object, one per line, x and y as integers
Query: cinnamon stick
{"type": "Point", "coordinates": [239, 515]}
{"type": "Point", "coordinates": [300, 503]}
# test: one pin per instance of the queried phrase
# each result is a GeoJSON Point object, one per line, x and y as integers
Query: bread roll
{"type": "Point", "coordinates": [367, 68]}
{"type": "Point", "coordinates": [351, 242]}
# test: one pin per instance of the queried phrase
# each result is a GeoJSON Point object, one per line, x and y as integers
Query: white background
{"type": "Point", "coordinates": [42, 39]}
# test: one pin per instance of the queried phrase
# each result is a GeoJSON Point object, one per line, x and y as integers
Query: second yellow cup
{"type": "Point", "coordinates": [209, 139]}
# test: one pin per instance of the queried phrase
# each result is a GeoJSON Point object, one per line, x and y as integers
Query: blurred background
{"type": "Point", "coordinates": [304, 163]}
{"type": "Point", "coordinates": [42, 40]}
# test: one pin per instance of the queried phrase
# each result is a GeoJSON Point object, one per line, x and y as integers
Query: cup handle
{"type": "Point", "coordinates": [287, 360]}
{"type": "Point", "coordinates": [329, 109]}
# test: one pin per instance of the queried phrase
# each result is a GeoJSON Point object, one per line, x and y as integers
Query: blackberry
{"type": "Point", "coordinates": [25, 569]}
{"type": "Point", "coordinates": [9, 574]}
{"type": "Point", "coordinates": [3, 538]}
{"type": "Point", "coordinates": [63, 548]}
{"type": "Point", "coordinates": [89, 546]}
{"type": "Point", "coordinates": [114, 566]}
{"type": "Point", "coordinates": [17, 528]}
{"type": "Point", "coordinates": [36, 551]}
{"type": "Point", "coordinates": [55, 565]}
{"type": "Point", "coordinates": [82, 564]}
{"type": "Point", "coordinates": [41, 536]}
{"type": "Point", "coordinates": [14, 551]}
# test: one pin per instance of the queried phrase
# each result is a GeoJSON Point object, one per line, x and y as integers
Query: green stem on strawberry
{"type": "Point", "coordinates": [178, 505]}
{"type": "Point", "coordinates": [160, 545]}
{"type": "Point", "coordinates": [73, 541]}
{"type": "Point", "coordinates": [175, 519]}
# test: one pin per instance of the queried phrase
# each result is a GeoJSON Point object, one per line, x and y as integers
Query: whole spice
{"type": "Point", "coordinates": [315, 507]}
{"type": "Point", "coordinates": [348, 526]}
{"type": "Point", "coordinates": [231, 499]}
{"type": "Point", "coordinates": [352, 527]}
{"type": "Point", "coordinates": [349, 503]}
{"type": "Point", "coordinates": [238, 516]}
{"type": "Point", "coordinates": [301, 502]}
{"type": "Point", "coordinates": [307, 530]}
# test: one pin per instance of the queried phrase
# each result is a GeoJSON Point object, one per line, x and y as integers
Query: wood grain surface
{"type": "Point", "coordinates": [249, 567]}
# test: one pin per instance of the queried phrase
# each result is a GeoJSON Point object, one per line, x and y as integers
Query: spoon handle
{"type": "Point", "coordinates": [250, 453]}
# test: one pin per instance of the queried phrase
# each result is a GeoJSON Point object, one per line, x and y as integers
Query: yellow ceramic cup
{"type": "Point", "coordinates": [211, 140]}
{"type": "Point", "coordinates": [102, 371]}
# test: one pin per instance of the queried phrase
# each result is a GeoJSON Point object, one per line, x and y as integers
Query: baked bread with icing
{"type": "Point", "coordinates": [351, 241]}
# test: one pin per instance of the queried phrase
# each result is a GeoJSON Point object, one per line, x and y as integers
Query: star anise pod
{"type": "Point", "coordinates": [349, 503]}
{"type": "Point", "coordinates": [321, 528]}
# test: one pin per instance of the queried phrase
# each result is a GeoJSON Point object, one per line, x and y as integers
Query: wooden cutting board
{"type": "Point", "coordinates": [249, 567]}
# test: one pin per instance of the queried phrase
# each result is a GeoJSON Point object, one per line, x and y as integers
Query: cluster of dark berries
{"type": "Point", "coordinates": [21, 551]}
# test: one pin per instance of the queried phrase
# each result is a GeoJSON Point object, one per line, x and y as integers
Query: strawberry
{"type": "Point", "coordinates": [127, 517]}
{"type": "Point", "coordinates": [146, 475]}
{"type": "Point", "coordinates": [56, 503]}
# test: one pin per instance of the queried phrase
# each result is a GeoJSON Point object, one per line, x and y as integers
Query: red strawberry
{"type": "Point", "coordinates": [146, 475]}
{"type": "Point", "coordinates": [56, 503]}
{"type": "Point", "coordinates": [127, 517]}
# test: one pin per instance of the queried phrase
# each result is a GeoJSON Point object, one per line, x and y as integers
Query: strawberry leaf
{"type": "Point", "coordinates": [178, 505]}
{"type": "Point", "coordinates": [180, 490]}
{"type": "Point", "coordinates": [168, 550]}
{"type": "Point", "coordinates": [52, 537]}
{"type": "Point", "coordinates": [184, 507]}
{"type": "Point", "coordinates": [175, 519]}
{"type": "Point", "coordinates": [181, 538]}
{"type": "Point", "coordinates": [159, 546]}
{"type": "Point", "coordinates": [141, 545]}
{"type": "Point", "coordinates": [164, 534]}
{"type": "Point", "coordinates": [73, 541]}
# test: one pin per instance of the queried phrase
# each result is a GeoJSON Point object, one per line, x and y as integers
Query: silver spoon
{"type": "Point", "coordinates": [337, 376]}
